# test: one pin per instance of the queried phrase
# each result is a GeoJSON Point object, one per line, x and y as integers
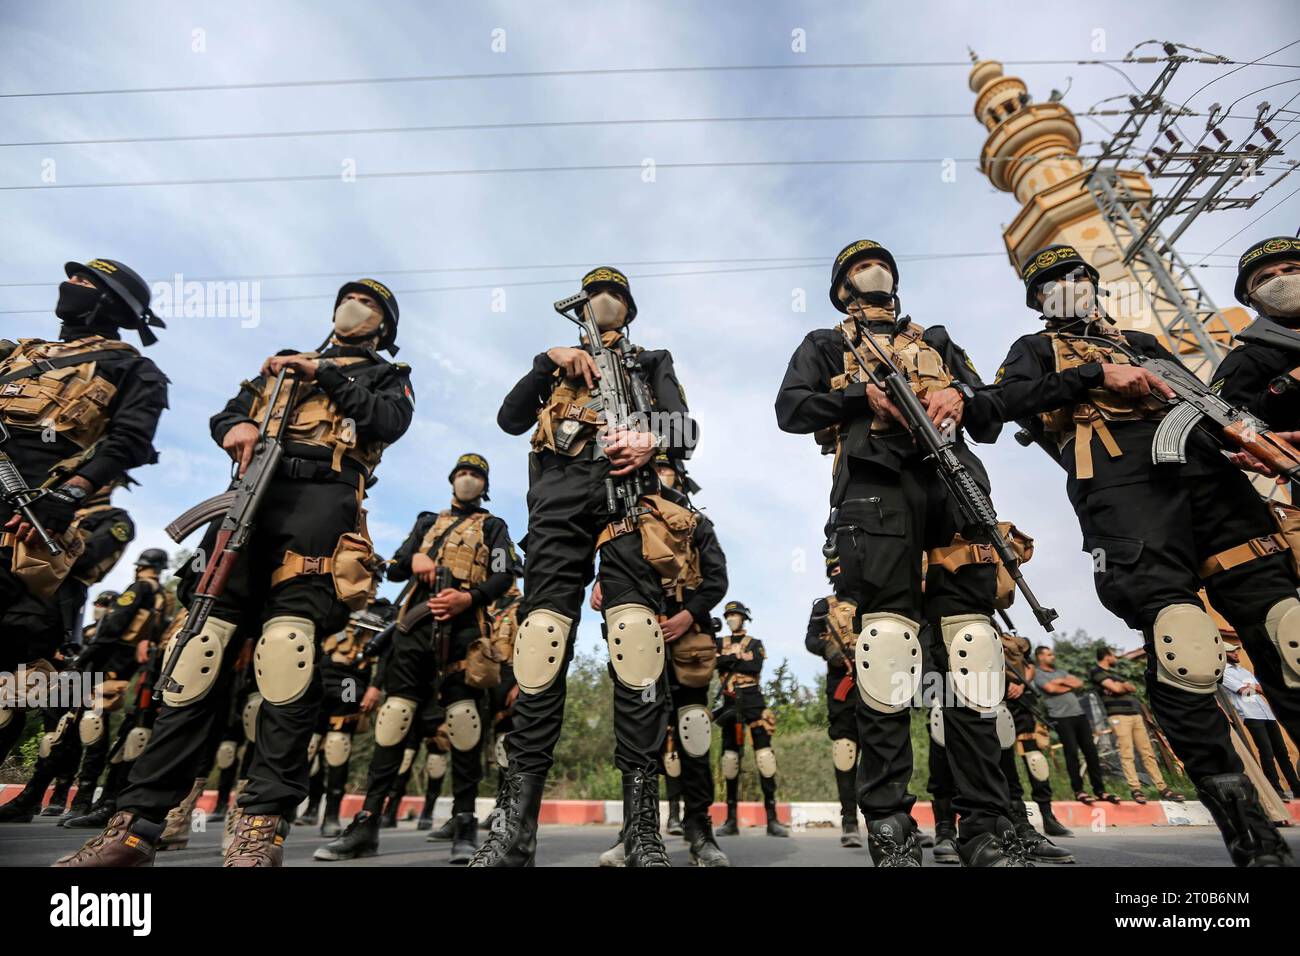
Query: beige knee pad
{"type": "Point", "coordinates": [136, 740]}
{"type": "Point", "coordinates": [226, 755]}
{"type": "Point", "coordinates": [91, 728]}
{"type": "Point", "coordinates": [673, 764]}
{"type": "Point", "coordinates": [464, 727]}
{"type": "Point", "coordinates": [936, 723]}
{"type": "Point", "coordinates": [730, 764]}
{"type": "Point", "coordinates": [976, 666]}
{"type": "Point", "coordinates": [394, 721]}
{"type": "Point", "coordinates": [636, 645]}
{"type": "Point", "coordinates": [1037, 766]}
{"type": "Point", "coordinates": [539, 649]}
{"type": "Point", "coordinates": [6, 715]}
{"type": "Point", "coordinates": [48, 739]}
{"type": "Point", "coordinates": [248, 716]}
{"type": "Point", "coordinates": [1189, 650]}
{"type": "Point", "coordinates": [766, 760]}
{"type": "Point", "coordinates": [503, 756]}
{"type": "Point", "coordinates": [1283, 626]}
{"type": "Point", "coordinates": [338, 748]}
{"type": "Point", "coordinates": [313, 747]}
{"type": "Point", "coordinates": [695, 729]}
{"type": "Point", "coordinates": [283, 658]}
{"type": "Point", "coordinates": [435, 766]}
{"type": "Point", "coordinates": [199, 663]}
{"type": "Point", "coordinates": [844, 754]}
{"type": "Point", "coordinates": [1006, 725]}
{"type": "Point", "coordinates": [408, 758]}
{"type": "Point", "coordinates": [888, 661]}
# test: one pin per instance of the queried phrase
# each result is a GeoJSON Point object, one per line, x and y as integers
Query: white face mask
{"type": "Point", "coordinates": [1069, 300]}
{"type": "Point", "coordinates": [608, 310]}
{"type": "Point", "coordinates": [467, 487]}
{"type": "Point", "coordinates": [874, 278]}
{"type": "Point", "coordinates": [353, 318]}
{"type": "Point", "coordinates": [736, 622]}
{"type": "Point", "coordinates": [1279, 296]}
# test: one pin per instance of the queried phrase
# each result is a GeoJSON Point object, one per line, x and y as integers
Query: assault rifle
{"type": "Point", "coordinates": [236, 509]}
{"type": "Point", "coordinates": [19, 496]}
{"type": "Point", "coordinates": [621, 396]}
{"type": "Point", "coordinates": [975, 507]}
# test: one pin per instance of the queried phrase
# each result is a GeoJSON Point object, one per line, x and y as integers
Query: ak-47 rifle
{"type": "Point", "coordinates": [379, 643]}
{"type": "Point", "coordinates": [975, 507]}
{"type": "Point", "coordinates": [419, 615]}
{"type": "Point", "coordinates": [237, 510]}
{"type": "Point", "coordinates": [621, 397]}
{"type": "Point", "coordinates": [20, 496]}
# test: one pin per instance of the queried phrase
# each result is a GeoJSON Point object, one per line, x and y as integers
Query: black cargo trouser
{"type": "Point", "coordinates": [695, 783]}
{"type": "Point", "coordinates": [745, 710]}
{"type": "Point", "coordinates": [566, 512]}
{"type": "Point", "coordinates": [1025, 721]}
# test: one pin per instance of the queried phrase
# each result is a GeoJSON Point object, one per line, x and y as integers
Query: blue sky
{"type": "Point", "coordinates": [731, 331]}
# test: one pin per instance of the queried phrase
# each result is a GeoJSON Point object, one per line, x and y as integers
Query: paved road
{"type": "Point", "coordinates": [39, 842]}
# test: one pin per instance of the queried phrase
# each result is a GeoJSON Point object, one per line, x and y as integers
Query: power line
{"type": "Point", "coordinates": [1249, 224]}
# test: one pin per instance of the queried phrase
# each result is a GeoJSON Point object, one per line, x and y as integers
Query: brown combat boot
{"type": "Point", "coordinates": [176, 829]}
{"type": "Point", "coordinates": [128, 840]}
{"type": "Point", "coordinates": [259, 841]}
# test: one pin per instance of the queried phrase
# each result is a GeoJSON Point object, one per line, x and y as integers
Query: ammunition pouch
{"type": "Point", "coordinates": [41, 572]}
{"type": "Point", "coordinates": [482, 668]}
{"type": "Point", "coordinates": [962, 552]}
{"type": "Point", "coordinates": [695, 658]}
{"type": "Point", "coordinates": [350, 566]}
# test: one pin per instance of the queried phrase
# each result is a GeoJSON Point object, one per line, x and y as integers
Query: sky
{"type": "Point", "coordinates": [729, 264]}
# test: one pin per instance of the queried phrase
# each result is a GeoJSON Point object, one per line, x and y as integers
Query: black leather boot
{"type": "Point", "coordinates": [512, 838]}
{"type": "Point", "coordinates": [464, 838]}
{"type": "Point", "coordinates": [642, 841]}
{"type": "Point", "coordinates": [1052, 826]}
{"type": "Point", "coordinates": [704, 848]}
{"type": "Point", "coordinates": [850, 835]}
{"type": "Point", "coordinates": [1038, 848]}
{"type": "Point", "coordinates": [674, 825]}
{"type": "Point", "coordinates": [892, 842]}
{"type": "Point", "coordinates": [775, 828]}
{"type": "Point", "coordinates": [425, 820]}
{"type": "Point", "coordinates": [361, 838]}
{"type": "Point", "coordinates": [58, 799]}
{"type": "Point", "coordinates": [81, 802]}
{"type": "Point", "coordinates": [999, 848]}
{"type": "Point", "coordinates": [945, 832]}
{"type": "Point", "coordinates": [27, 804]}
{"type": "Point", "coordinates": [1252, 838]}
{"type": "Point", "coordinates": [729, 826]}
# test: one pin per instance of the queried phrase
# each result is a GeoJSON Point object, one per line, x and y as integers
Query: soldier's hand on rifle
{"type": "Point", "coordinates": [370, 699]}
{"type": "Point", "coordinates": [882, 406]}
{"type": "Point", "coordinates": [423, 568]}
{"type": "Point", "coordinates": [1133, 381]}
{"type": "Point", "coordinates": [1248, 462]}
{"type": "Point", "coordinates": [596, 599]}
{"type": "Point", "coordinates": [1014, 690]}
{"type": "Point", "coordinates": [627, 451]}
{"type": "Point", "coordinates": [304, 367]}
{"type": "Point", "coordinates": [677, 625]}
{"type": "Point", "coordinates": [945, 406]}
{"type": "Point", "coordinates": [576, 362]}
{"type": "Point", "coordinates": [239, 443]}
{"type": "Point", "coordinates": [449, 602]}
{"type": "Point", "coordinates": [142, 652]}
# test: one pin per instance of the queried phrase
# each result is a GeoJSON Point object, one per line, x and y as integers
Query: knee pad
{"type": "Point", "coordinates": [975, 662]}
{"type": "Point", "coordinates": [673, 764]}
{"type": "Point", "coordinates": [338, 748]}
{"type": "Point", "coordinates": [6, 715]}
{"type": "Point", "coordinates": [503, 758]}
{"type": "Point", "coordinates": [1006, 726]}
{"type": "Point", "coordinates": [199, 663]}
{"type": "Point", "coordinates": [226, 753]}
{"type": "Point", "coordinates": [1283, 626]}
{"type": "Point", "coordinates": [394, 721]}
{"type": "Point", "coordinates": [730, 764]}
{"type": "Point", "coordinates": [136, 740]}
{"type": "Point", "coordinates": [540, 644]}
{"type": "Point", "coordinates": [1189, 650]}
{"type": "Point", "coordinates": [888, 662]}
{"type": "Point", "coordinates": [283, 658]}
{"type": "Point", "coordinates": [408, 758]}
{"type": "Point", "coordinates": [435, 765]}
{"type": "Point", "coordinates": [464, 726]}
{"type": "Point", "coordinates": [48, 739]}
{"type": "Point", "coordinates": [313, 747]}
{"type": "Point", "coordinates": [1037, 766]}
{"type": "Point", "coordinates": [248, 717]}
{"type": "Point", "coordinates": [936, 723]}
{"type": "Point", "coordinates": [91, 728]}
{"type": "Point", "coordinates": [695, 729]}
{"type": "Point", "coordinates": [844, 754]}
{"type": "Point", "coordinates": [766, 760]}
{"type": "Point", "coordinates": [636, 645]}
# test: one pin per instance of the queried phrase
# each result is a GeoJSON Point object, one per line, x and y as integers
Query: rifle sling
{"type": "Point", "coordinates": [63, 361]}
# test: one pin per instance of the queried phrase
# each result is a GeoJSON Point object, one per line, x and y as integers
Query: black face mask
{"type": "Point", "coordinates": [79, 305]}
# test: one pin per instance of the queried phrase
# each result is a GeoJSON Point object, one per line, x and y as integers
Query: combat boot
{"type": "Point", "coordinates": [81, 803]}
{"type": "Point", "coordinates": [674, 825]}
{"type": "Point", "coordinates": [892, 841]}
{"type": "Point", "coordinates": [704, 849]}
{"type": "Point", "coordinates": [1251, 838]}
{"type": "Point", "coordinates": [512, 839]}
{"type": "Point", "coordinates": [127, 840]}
{"type": "Point", "coordinates": [464, 838]}
{"type": "Point", "coordinates": [309, 814]}
{"type": "Point", "coordinates": [259, 841]}
{"type": "Point", "coordinates": [361, 838]}
{"type": "Point", "coordinates": [442, 833]}
{"type": "Point", "coordinates": [998, 848]}
{"type": "Point", "coordinates": [96, 818]}
{"type": "Point", "coordinates": [641, 838]}
{"type": "Point", "coordinates": [1038, 848]}
{"type": "Point", "coordinates": [388, 818]}
{"type": "Point", "coordinates": [945, 832]}
{"type": "Point", "coordinates": [58, 799]}
{"type": "Point", "coordinates": [775, 828]}
{"type": "Point", "coordinates": [425, 819]}
{"type": "Point", "coordinates": [616, 855]}
{"type": "Point", "coordinates": [1052, 826]}
{"type": "Point", "coordinates": [850, 835]}
{"type": "Point", "coordinates": [27, 804]}
{"type": "Point", "coordinates": [176, 829]}
{"type": "Point", "coordinates": [729, 826]}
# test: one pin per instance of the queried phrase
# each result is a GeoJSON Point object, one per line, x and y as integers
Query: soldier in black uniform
{"type": "Point", "coordinates": [742, 706]}
{"type": "Point", "coordinates": [306, 564]}
{"type": "Point", "coordinates": [569, 519]}
{"type": "Point", "coordinates": [1158, 532]}
{"type": "Point", "coordinates": [78, 411]}
{"type": "Point", "coordinates": [432, 679]}
{"type": "Point", "coordinates": [891, 507]}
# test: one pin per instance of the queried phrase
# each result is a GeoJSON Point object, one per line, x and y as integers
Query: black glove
{"type": "Point", "coordinates": [55, 510]}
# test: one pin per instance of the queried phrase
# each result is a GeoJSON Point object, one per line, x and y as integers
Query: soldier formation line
{"type": "Point", "coordinates": [273, 651]}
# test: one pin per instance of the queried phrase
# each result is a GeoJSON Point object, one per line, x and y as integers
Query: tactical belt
{"type": "Point", "coordinates": [957, 556]}
{"type": "Point", "coordinates": [616, 529]}
{"type": "Point", "coordinates": [743, 680]}
{"type": "Point", "coordinates": [308, 469]}
{"type": "Point", "coordinates": [572, 411]}
{"type": "Point", "coordinates": [295, 564]}
{"type": "Point", "coordinates": [1087, 421]}
{"type": "Point", "coordinates": [1255, 548]}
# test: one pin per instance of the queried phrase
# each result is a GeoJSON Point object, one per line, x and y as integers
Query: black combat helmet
{"type": "Point", "coordinates": [852, 254]}
{"type": "Point", "coordinates": [106, 598]}
{"type": "Point", "coordinates": [607, 277]}
{"type": "Point", "coordinates": [735, 607]}
{"type": "Point", "coordinates": [1051, 263]}
{"type": "Point", "coordinates": [130, 294]}
{"type": "Point", "coordinates": [1260, 254]}
{"type": "Point", "coordinates": [387, 302]}
{"type": "Point", "coordinates": [155, 558]}
{"type": "Point", "coordinates": [475, 463]}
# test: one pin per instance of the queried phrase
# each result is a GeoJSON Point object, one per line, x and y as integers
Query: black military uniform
{"type": "Point", "coordinates": [890, 508]}
{"type": "Point", "coordinates": [1158, 533]}
{"type": "Point", "coordinates": [435, 673]}
{"type": "Point", "coordinates": [306, 564]}
{"type": "Point", "coordinates": [569, 520]}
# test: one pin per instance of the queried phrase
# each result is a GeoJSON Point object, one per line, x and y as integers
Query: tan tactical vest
{"type": "Point", "coordinates": [317, 421]}
{"type": "Point", "coordinates": [504, 625]}
{"type": "Point", "coordinates": [144, 625]}
{"type": "Point", "coordinates": [920, 363]}
{"type": "Point", "coordinates": [96, 574]}
{"type": "Point", "coordinates": [72, 400]}
{"type": "Point", "coordinates": [346, 646]}
{"type": "Point", "coordinates": [839, 623]}
{"type": "Point", "coordinates": [464, 551]}
{"type": "Point", "coordinates": [735, 680]}
{"type": "Point", "coordinates": [569, 408]}
{"type": "Point", "coordinates": [1103, 405]}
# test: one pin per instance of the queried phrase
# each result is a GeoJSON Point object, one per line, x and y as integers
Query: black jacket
{"type": "Point", "coordinates": [1242, 378]}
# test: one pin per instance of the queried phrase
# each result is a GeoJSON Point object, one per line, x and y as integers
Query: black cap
{"type": "Point", "coordinates": [735, 607]}
{"type": "Point", "coordinates": [853, 253]}
{"type": "Point", "coordinates": [131, 291]}
{"type": "Point", "coordinates": [474, 463]}
{"type": "Point", "coordinates": [607, 277]}
{"type": "Point", "coordinates": [155, 558]}
{"type": "Point", "coordinates": [106, 598]}
{"type": "Point", "coordinates": [1262, 253]}
{"type": "Point", "coordinates": [387, 301]}
{"type": "Point", "coordinates": [1048, 263]}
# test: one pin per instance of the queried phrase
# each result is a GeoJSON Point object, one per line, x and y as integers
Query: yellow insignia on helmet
{"type": "Point", "coordinates": [101, 266]}
{"type": "Point", "coordinates": [127, 599]}
{"type": "Point", "coordinates": [604, 275]}
{"type": "Point", "coordinates": [377, 286]}
{"type": "Point", "coordinates": [121, 531]}
{"type": "Point", "coordinates": [854, 249]}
